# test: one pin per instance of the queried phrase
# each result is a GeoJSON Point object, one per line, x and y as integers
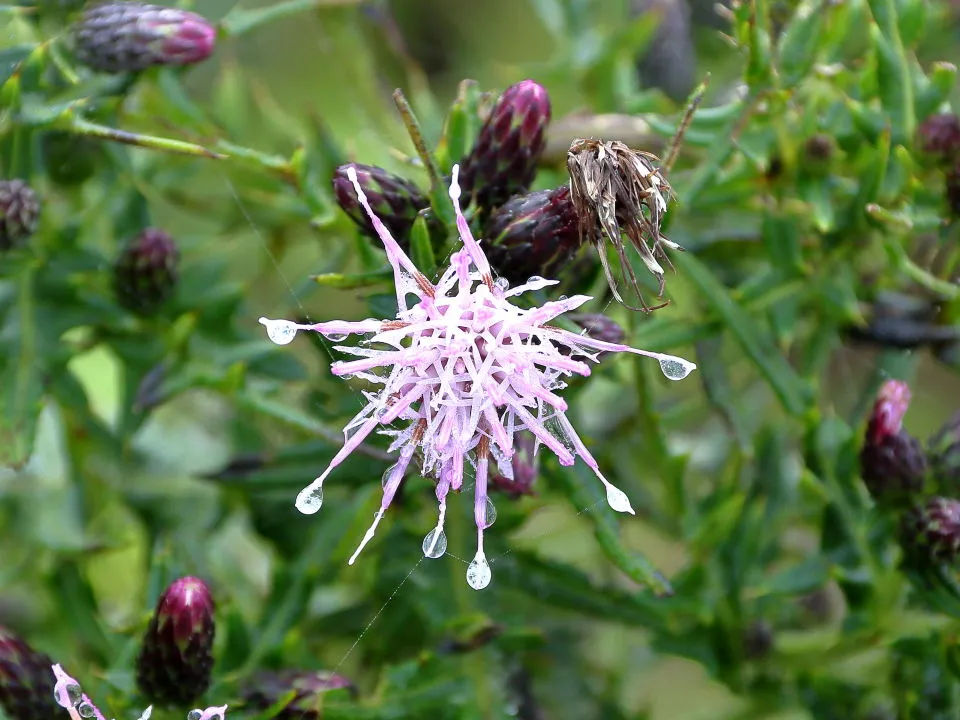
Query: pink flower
{"type": "Point", "coordinates": [464, 369]}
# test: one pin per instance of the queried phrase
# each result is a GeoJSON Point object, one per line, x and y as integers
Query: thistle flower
{"type": "Point", "coordinates": [26, 688]}
{"type": "Point", "coordinates": [175, 662]}
{"type": "Point", "coordinates": [618, 190]}
{"type": "Point", "coordinates": [19, 213]}
{"type": "Point", "coordinates": [533, 234]}
{"type": "Point", "coordinates": [939, 136]}
{"type": "Point", "coordinates": [466, 369]}
{"type": "Point", "coordinates": [145, 273]}
{"type": "Point", "coordinates": [396, 201]}
{"type": "Point", "coordinates": [267, 688]}
{"type": "Point", "coordinates": [892, 462]}
{"type": "Point", "coordinates": [116, 37]}
{"type": "Point", "coordinates": [504, 159]}
{"type": "Point", "coordinates": [933, 529]}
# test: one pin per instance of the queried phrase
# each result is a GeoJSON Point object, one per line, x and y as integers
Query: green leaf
{"type": "Point", "coordinates": [756, 341]}
{"type": "Point", "coordinates": [421, 247]}
{"type": "Point", "coordinates": [893, 72]}
{"type": "Point", "coordinates": [781, 237]}
{"type": "Point", "coordinates": [241, 20]}
{"type": "Point", "coordinates": [355, 281]}
{"type": "Point", "coordinates": [461, 126]}
{"type": "Point", "coordinates": [800, 42]}
{"type": "Point", "coordinates": [937, 89]}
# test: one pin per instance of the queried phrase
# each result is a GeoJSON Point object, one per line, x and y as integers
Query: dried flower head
{"type": "Point", "coordinates": [465, 369]}
{"type": "Point", "coordinates": [618, 191]}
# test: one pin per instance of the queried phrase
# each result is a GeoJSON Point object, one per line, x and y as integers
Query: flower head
{"type": "Point", "coordinates": [619, 190]}
{"type": "Point", "coordinates": [892, 462]}
{"type": "Point", "coordinates": [465, 369]}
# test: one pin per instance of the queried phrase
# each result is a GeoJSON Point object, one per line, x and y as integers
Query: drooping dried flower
{"type": "Point", "coordinates": [267, 688]}
{"type": "Point", "coordinates": [619, 191]}
{"type": "Point", "coordinates": [467, 369]}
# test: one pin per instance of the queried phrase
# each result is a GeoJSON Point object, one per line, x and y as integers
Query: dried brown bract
{"type": "Point", "coordinates": [617, 191]}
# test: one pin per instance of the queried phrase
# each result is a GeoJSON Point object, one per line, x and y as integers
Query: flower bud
{"type": "Point", "coordinates": [145, 273]}
{"type": "Point", "coordinates": [26, 682]}
{"type": "Point", "coordinates": [818, 152]}
{"type": "Point", "coordinates": [503, 161]}
{"type": "Point", "coordinates": [933, 529]}
{"type": "Point", "coordinates": [939, 136]}
{"type": "Point", "coordinates": [117, 37]}
{"type": "Point", "coordinates": [599, 327]}
{"type": "Point", "coordinates": [524, 465]}
{"type": "Point", "coordinates": [945, 456]}
{"type": "Point", "coordinates": [395, 200]}
{"type": "Point", "coordinates": [176, 658]}
{"type": "Point", "coordinates": [533, 234]}
{"type": "Point", "coordinates": [19, 213]}
{"type": "Point", "coordinates": [892, 462]}
{"type": "Point", "coordinates": [267, 689]}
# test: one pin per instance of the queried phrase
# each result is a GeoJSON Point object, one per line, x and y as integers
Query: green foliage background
{"type": "Point", "coordinates": [116, 431]}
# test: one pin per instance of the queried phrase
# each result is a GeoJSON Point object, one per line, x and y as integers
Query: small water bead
{"type": "Point", "coordinates": [195, 715]}
{"type": "Point", "coordinates": [74, 694]}
{"type": "Point", "coordinates": [489, 514]}
{"type": "Point", "coordinates": [478, 572]}
{"type": "Point", "coordinates": [280, 332]}
{"type": "Point", "coordinates": [676, 368]}
{"type": "Point", "coordinates": [435, 544]}
{"type": "Point", "coordinates": [618, 500]}
{"type": "Point", "coordinates": [86, 710]}
{"type": "Point", "coordinates": [310, 500]}
{"type": "Point", "coordinates": [336, 337]}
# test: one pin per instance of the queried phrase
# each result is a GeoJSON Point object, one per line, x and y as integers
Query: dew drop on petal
{"type": "Point", "coordinates": [387, 473]}
{"type": "Point", "coordinates": [310, 499]}
{"type": "Point", "coordinates": [281, 332]}
{"type": "Point", "coordinates": [618, 500]}
{"type": "Point", "coordinates": [74, 694]}
{"type": "Point", "coordinates": [195, 715]}
{"type": "Point", "coordinates": [478, 572]}
{"type": "Point", "coordinates": [336, 337]}
{"type": "Point", "coordinates": [435, 544]}
{"type": "Point", "coordinates": [489, 514]}
{"type": "Point", "coordinates": [676, 368]}
{"type": "Point", "coordinates": [86, 710]}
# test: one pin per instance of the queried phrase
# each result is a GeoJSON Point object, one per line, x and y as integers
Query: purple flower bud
{"type": "Point", "coordinates": [939, 136]}
{"type": "Point", "coordinates": [933, 529]}
{"type": "Point", "coordinates": [19, 213]}
{"type": "Point", "coordinates": [176, 659]}
{"type": "Point", "coordinates": [945, 456]}
{"type": "Point", "coordinates": [599, 327]}
{"type": "Point", "coordinates": [117, 37]}
{"type": "Point", "coordinates": [395, 200]}
{"type": "Point", "coordinates": [267, 688]}
{"type": "Point", "coordinates": [145, 273]}
{"type": "Point", "coordinates": [892, 462]}
{"type": "Point", "coordinates": [504, 160]}
{"type": "Point", "coordinates": [26, 683]}
{"type": "Point", "coordinates": [533, 235]}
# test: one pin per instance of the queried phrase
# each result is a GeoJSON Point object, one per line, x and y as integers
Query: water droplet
{"type": "Point", "coordinates": [281, 332]}
{"type": "Point", "coordinates": [502, 283]}
{"type": "Point", "coordinates": [335, 337]}
{"type": "Point", "coordinates": [676, 368]}
{"type": "Point", "coordinates": [310, 499]}
{"type": "Point", "coordinates": [195, 715]}
{"type": "Point", "coordinates": [86, 710]}
{"type": "Point", "coordinates": [489, 514]}
{"type": "Point", "coordinates": [618, 500]}
{"type": "Point", "coordinates": [478, 573]}
{"type": "Point", "coordinates": [74, 694]}
{"type": "Point", "coordinates": [435, 544]}
{"type": "Point", "coordinates": [386, 475]}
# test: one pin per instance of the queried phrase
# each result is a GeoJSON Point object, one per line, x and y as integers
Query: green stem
{"type": "Point", "coordinates": [76, 124]}
{"type": "Point", "coordinates": [416, 135]}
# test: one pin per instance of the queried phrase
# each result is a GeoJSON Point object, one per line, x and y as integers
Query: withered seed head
{"type": "Point", "coordinates": [618, 190]}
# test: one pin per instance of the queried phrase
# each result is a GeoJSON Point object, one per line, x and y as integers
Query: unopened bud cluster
{"type": "Point", "coordinates": [919, 484]}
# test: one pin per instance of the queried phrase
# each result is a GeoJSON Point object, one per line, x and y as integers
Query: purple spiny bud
{"type": "Point", "coordinates": [175, 662]}
{"type": "Point", "coordinates": [145, 273]}
{"type": "Point", "coordinates": [26, 684]}
{"type": "Point", "coordinates": [19, 213]}
{"type": "Point", "coordinates": [939, 136]}
{"type": "Point", "coordinates": [395, 200]}
{"type": "Point", "coordinates": [504, 160]}
{"type": "Point", "coordinates": [933, 529]}
{"type": "Point", "coordinates": [268, 688]}
{"type": "Point", "coordinates": [533, 235]}
{"type": "Point", "coordinates": [892, 462]}
{"type": "Point", "coordinates": [117, 37]}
